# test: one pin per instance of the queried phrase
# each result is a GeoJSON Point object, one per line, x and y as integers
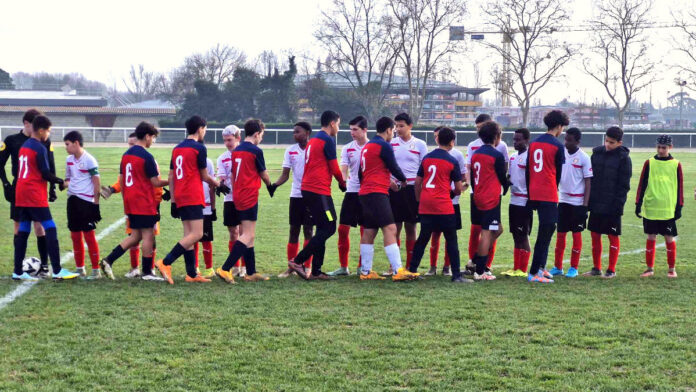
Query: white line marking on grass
{"type": "Point", "coordinates": [26, 286]}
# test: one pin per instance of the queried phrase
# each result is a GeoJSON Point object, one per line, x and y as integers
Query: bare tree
{"type": "Point", "coordinates": [686, 44]}
{"type": "Point", "coordinates": [360, 52]}
{"type": "Point", "coordinates": [531, 55]}
{"type": "Point", "coordinates": [620, 45]}
{"type": "Point", "coordinates": [141, 84]}
{"type": "Point", "coordinates": [217, 65]}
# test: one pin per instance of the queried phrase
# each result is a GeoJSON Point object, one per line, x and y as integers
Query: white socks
{"type": "Point", "coordinates": [367, 253]}
{"type": "Point", "coordinates": [394, 256]}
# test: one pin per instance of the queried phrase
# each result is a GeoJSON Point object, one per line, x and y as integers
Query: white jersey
{"type": "Point", "coordinates": [350, 156]}
{"type": "Point", "coordinates": [476, 144]}
{"type": "Point", "coordinates": [294, 160]}
{"type": "Point", "coordinates": [80, 173]}
{"type": "Point", "coordinates": [456, 154]}
{"type": "Point", "coordinates": [576, 169]}
{"type": "Point", "coordinates": [409, 156]}
{"type": "Point", "coordinates": [208, 209]}
{"type": "Point", "coordinates": [224, 172]}
{"type": "Point", "coordinates": [518, 178]}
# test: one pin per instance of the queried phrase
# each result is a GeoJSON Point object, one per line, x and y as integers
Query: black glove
{"type": "Point", "coordinates": [222, 189]}
{"type": "Point", "coordinates": [52, 193]}
{"type": "Point", "coordinates": [677, 212]}
{"type": "Point", "coordinates": [174, 211]}
{"type": "Point", "coordinates": [213, 216]}
{"type": "Point", "coordinates": [271, 189]}
{"type": "Point", "coordinates": [9, 192]}
{"type": "Point", "coordinates": [342, 187]}
{"type": "Point", "coordinates": [166, 196]}
{"type": "Point", "coordinates": [96, 213]}
{"type": "Point", "coordinates": [638, 208]}
{"type": "Point", "coordinates": [452, 195]}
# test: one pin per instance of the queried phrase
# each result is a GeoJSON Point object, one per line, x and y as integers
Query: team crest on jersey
{"type": "Point", "coordinates": [50, 148]}
{"type": "Point", "coordinates": [576, 160]}
{"type": "Point", "coordinates": [3, 146]}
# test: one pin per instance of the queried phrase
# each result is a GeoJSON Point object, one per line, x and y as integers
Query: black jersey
{"type": "Point", "coordinates": [10, 149]}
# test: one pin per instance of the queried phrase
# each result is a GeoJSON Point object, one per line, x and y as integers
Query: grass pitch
{"type": "Point", "coordinates": [584, 334]}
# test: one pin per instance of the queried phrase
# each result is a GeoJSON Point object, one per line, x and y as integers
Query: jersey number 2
{"type": "Point", "coordinates": [431, 169]}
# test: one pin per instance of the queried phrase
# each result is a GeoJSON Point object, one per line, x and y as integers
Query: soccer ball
{"type": "Point", "coordinates": [31, 265]}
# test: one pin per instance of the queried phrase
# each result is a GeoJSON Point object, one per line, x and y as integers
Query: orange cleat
{"type": "Point", "coordinates": [165, 271]}
{"type": "Point", "coordinates": [198, 279]}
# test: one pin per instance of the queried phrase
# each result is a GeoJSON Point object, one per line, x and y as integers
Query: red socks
{"type": "Point", "coordinates": [474, 236]}
{"type": "Point", "coordinates": [491, 254]}
{"type": "Point", "coordinates": [614, 248]}
{"type": "Point", "coordinates": [343, 245]}
{"type": "Point", "coordinates": [93, 247]}
{"type": "Point", "coordinates": [78, 248]}
{"type": "Point", "coordinates": [671, 253]}
{"type": "Point", "coordinates": [524, 259]}
{"type": "Point", "coordinates": [410, 244]}
{"type": "Point", "coordinates": [308, 262]}
{"type": "Point", "coordinates": [596, 250]}
{"type": "Point", "coordinates": [208, 254]}
{"type": "Point", "coordinates": [291, 250]}
{"type": "Point", "coordinates": [577, 249]}
{"type": "Point", "coordinates": [434, 248]}
{"type": "Point", "coordinates": [650, 253]}
{"type": "Point", "coordinates": [135, 256]}
{"type": "Point", "coordinates": [560, 249]}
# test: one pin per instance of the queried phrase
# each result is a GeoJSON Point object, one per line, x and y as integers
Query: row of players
{"type": "Point", "coordinates": [373, 199]}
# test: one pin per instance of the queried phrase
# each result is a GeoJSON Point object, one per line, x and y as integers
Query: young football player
{"type": "Point", "coordinates": [231, 136]}
{"type": "Point", "coordinates": [574, 196]}
{"type": "Point", "coordinates": [209, 216]}
{"type": "Point", "coordinates": [438, 171]}
{"type": "Point", "coordinates": [659, 203]}
{"type": "Point", "coordinates": [248, 170]}
{"type": "Point", "coordinates": [519, 214]}
{"type": "Point", "coordinates": [377, 163]}
{"type": "Point", "coordinates": [300, 218]}
{"type": "Point", "coordinates": [82, 181]}
{"type": "Point", "coordinates": [320, 166]}
{"type": "Point", "coordinates": [611, 181]}
{"type": "Point", "coordinates": [10, 149]}
{"type": "Point", "coordinates": [351, 212]}
{"type": "Point", "coordinates": [489, 174]}
{"type": "Point", "coordinates": [31, 200]}
{"type": "Point", "coordinates": [138, 179]}
{"type": "Point", "coordinates": [187, 171]}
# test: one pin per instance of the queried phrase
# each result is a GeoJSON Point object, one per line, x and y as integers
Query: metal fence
{"type": "Point", "coordinates": [284, 136]}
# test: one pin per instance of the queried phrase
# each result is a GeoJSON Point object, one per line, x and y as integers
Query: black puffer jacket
{"type": "Point", "coordinates": [611, 180]}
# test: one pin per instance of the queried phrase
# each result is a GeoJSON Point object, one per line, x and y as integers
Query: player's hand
{"type": "Point", "coordinates": [223, 189]}
{"type": "Point", "coordinates": [638, 208]}
{"type": "Point", "coordinates": [465, 186]}
{"type": "Point", "coordinates": [8, 189]}
{"type": "Point", "coordinates": [96, 212]}
{"type": "Point", "coordinates": [342, 187]}
{"type": "Point", "coordinates": [52, 193]}
{"type": "Point", "coordinates": [106, 192]}
{"type": "Point", "coordinates": [174, 211]}
{"type": "Point", "coordinates": [452, 195]}
{"type": "Point", "coordinates": [271, 189]}
{"type": "Point", "coordinates": [393, 186]}
{"type": "Point", "coordinates": [677, 213]}
{"type": "Point", "coordinates": [213, 216]}
{"type": "Point", "coordinates": [166, 195]}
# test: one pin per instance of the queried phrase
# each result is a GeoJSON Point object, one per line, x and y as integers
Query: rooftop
{"type": "Point", "coordinates": [48, 98]}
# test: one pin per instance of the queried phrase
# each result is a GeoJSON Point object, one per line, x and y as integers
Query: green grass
{"type": "Point", "coordinates": [585, 334]}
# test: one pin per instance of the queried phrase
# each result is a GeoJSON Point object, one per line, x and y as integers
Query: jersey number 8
{"type": "Point", "coordinates": [538, 160]}
{"type": "Point", "coordinates": [179, 162]}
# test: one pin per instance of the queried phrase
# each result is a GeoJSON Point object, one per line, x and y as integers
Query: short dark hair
{"type": "Point", "coordinates": [383, 124]}
{"type": "Point", "coordinates": [73, 136]}
{"type": "Point", "coordinates": [525, 133]}
{"type": "Point", "coordinates": [194, 123]}
{"type": "Point", "coordinates": [438, 128]}
{"type": "Point", "coordinates": [30, 114]}
{"type": "Point", "coordinates": [403, 117]}
{"type": "Point", "coordinates": [575, 132]}
{"type": "Point", "coordinates": [133, 134]}
{"type": "Point", "coordinates": [615, 133]}
{"type": "Point", "coordinates": [145, 128]}
{"type": "Point", "coordinates": [360, 122]}
{"type": "Point", "coordinates": [555, 118]}
{"type": "Point", "coordinates": [304, 125]}
{"type": "Point", "coordinates": [445, 135]}
{"type": "Point", "coordinates": [488, 132]}
{"type": "Point", "coordinates": [253, 126]}
{"type": "Point", "coordinates": [328, 117]}
{"type": "Point", "coordinates": [40, 122]}
{"type": "Point", "coordinates": [481, 118]}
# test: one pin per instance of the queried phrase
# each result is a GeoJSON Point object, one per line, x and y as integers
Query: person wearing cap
{"type": "Point", "coordinates": [231, 136]}
{"type": "Point", "coordinates": [659, 203]}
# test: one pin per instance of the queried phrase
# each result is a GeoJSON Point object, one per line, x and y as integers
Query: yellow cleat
{"type": "Point", "coordinates": [257, 277]}
{"type": "Point", "coordinates": [225, 275]}
{"type": "Point", "coordinates": [371, 276]}
{"type": "Point", "coordinates": [209, 273]}
{"type": "Point", "coordinates": [520, 273]}
{"type": "Point", "coordinates": [403, 275]}
{"type": "Point", "coordinates": [509, 272]}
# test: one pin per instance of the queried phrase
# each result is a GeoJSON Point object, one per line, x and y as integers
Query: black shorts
{"type": "Point", "coordinates": [229, 214]}
{"type": "Point", "coordinates": [458, 216]}
{"type": "Point", "coordinates": [34, 214]}
{"type": "Point", "coordinates": [571, 218]}
{"type": "Point", "coordinates": [404, 205]}
{"type": "Point", "coordinates": [299, 213]}
{"type": "Point", "coordinates": [661, 227]}
{"type": "Point", "coordinates": [351, 210]}
{"type": "Point", "coordinates": [80, 214]}
{"type": "Point", "coordinates": [490, 219]}
{"type": "Point", "coordinates": [439, 222]}
{"type": "Point", "coordinates": [376, 210]}
{"type": "Point", "coordinates": [190, 212]}
{"type": "Point", "coordinates": [321, 207]}
{"type": "Point", "coordinates": [207, 229]}
{"type": "Point", "coordinates": [142, 221]}
{"type": "Point", "coordinates": [547, 211]}
{"type": "Point", "coordinates": [604, 224]}
{"type": "Point", "coordinates": [521, 218]}
{"type": "Point", "coordinates": [250, 214]}
{"type": "Point", "coordinates": [475, 212]}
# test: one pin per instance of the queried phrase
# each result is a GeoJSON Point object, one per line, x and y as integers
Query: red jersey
{"type": "Point", "coordinates": [488, 175]}
{"type": "Point", "coordinates": [545, 159]}
{"type": "Point", "coordinates": [137, 168]}
{"type": "Point", "coordinates": [377, 161]}
{"type": "Point", "coordinates": [188, 158]}
{"type": "Point", "coordinates": [31, 186]}
{"type": "Point", "coordinates": [320, 164]}
{"type": "Point", "coordinates": [247, 163]}
{"type": "Point", "coordinates": [438, 170]}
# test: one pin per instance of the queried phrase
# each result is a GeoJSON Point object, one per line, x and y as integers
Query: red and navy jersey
{"type": "Point", "coordinates": [438, 170]}
{"type": "Point", "coordinates": [320, 165]}
{"type": "Point", "coordinates": [377, 161]}
{"type": "Point", "coordinates": [188, 158]}
{"type": "Point", "coordinates": [31, 186]}
{"type": "Point", "coordinates": [545, 160]}
{"type": "Point", "coordinates": [137, 168]}
{"type": "Point", "coordinates": [488, 175]}
{"type": "Point", "coordinates": [247, 163]}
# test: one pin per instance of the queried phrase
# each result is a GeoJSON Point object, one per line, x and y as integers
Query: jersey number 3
{"type": "Point", "coordinates": [477, 171]}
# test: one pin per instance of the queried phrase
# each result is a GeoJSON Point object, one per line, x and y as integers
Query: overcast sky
{"type": "Point", "coordinates": [102, 39]}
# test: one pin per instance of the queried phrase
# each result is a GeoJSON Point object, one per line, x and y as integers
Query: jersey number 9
{"type": "Point", "coordinates": [538, 160]}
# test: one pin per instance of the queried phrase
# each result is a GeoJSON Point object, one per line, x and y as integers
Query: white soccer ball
{"type": "Point", "coordinates": [31, 265]}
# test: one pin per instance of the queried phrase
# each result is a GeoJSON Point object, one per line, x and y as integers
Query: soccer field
{"type": "Point", "coordinates": [628, 333]}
